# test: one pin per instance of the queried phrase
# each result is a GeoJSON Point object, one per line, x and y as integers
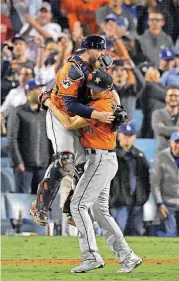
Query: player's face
{"type": "Point", "coordinates": [94, 57]}
{"type": "Point", "coordinates": [175, 147]}
{"type": "Point", "coordinates": [172, 98]}
{"type": "Point", "coordinates": [97, 96]}
{"type": "Point", "coordinates": [126, 141]}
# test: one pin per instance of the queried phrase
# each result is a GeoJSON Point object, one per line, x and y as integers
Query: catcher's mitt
{"type": "Point", "coordinates": [120, 117]}
{"type": "Point", "coordinates": [43, 97]}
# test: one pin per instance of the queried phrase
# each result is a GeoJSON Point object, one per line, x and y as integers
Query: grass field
{"type": "Point", "coordinates": [51, 258]}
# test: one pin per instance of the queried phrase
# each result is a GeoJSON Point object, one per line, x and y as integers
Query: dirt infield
{"type": "Point", "coordinates": [71, 262]}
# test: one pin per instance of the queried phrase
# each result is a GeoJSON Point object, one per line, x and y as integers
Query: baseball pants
{"type": "Point", "coordinates": [93, 191]}
{"type": "Point", "coordinates": [63, 140]}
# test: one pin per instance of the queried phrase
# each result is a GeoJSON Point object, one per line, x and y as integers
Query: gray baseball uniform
{"type": "Point", "coordinates": [93, 191]}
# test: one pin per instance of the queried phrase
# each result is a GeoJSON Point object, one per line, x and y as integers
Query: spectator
{"type": "Point", "coordinates": [177, 57]}
{"type": "Point", "coordinates": [16, 96]}
{"type": "Point", "coordinates": [13, 59]}
{"type": "Point", "coordinates": [83, 12]}
{"type": "Point", "coordinates": [154, 38]}
{"type": "Point", "coordinates": [50, 60]}
{"type": "Point", "coordinates": [166, 120]}
{"type": "Point", "coordinates": [143, 14]}
{"type": "Point", "coordinates": [167, 60]}
{"type": "Point", "coordinates": [152, 98]}
{"type": "Point", "coordinates": [42, 25]}
{"type": "Point", "coordinates": [132, 7]}
{"type": "Point", "coordinates": [165, 184]}
{"type": "Point", "coordinates": [130, 188]}
{"type": "Point", "coordinates": [128, 92]}
{"type": "Point", "coordinates": [6, 29]}
{"type": "Point", "coordinates": [171, 77]}
{"type": "Point", "coordinates": [114, 9]}
{"type": "Point", "coordinates": [28, 143]}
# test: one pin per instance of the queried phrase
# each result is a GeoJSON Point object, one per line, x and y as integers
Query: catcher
{"type": "Point", "coordinates": [92, 190]}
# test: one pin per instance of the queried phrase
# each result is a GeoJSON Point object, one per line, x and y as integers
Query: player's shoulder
{"type": "Point", "coordinates": [72, 71]}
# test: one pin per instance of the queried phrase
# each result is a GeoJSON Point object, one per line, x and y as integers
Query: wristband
{"type": "Point", "coordinates": [159, 204]}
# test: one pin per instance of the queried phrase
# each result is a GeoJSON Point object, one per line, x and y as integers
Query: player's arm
{"type": "Point", "coordinates": [68, 84]}
{"type": "Point", "coordinates": [70, 123]}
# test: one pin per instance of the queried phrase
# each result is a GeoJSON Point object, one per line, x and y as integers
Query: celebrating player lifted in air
{"type": "Point", "coordinates": [92, 190]}
{"type": "Point", "coordinates": [71, 95]}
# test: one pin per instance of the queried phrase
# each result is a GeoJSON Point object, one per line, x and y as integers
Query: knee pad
{"type": "Point", "coordinates": [66, 162]}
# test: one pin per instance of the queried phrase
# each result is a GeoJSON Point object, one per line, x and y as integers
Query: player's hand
{"type": "Point", "coordinates": [105, 117]}
{"type": "Point", "coordinates": [163, 212]}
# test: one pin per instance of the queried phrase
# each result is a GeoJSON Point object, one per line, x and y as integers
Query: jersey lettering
{"type": "Point", "coordinates": [66, 83]}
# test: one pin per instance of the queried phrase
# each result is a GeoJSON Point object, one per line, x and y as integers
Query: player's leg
{"type": "Point", "coordinates": [80, 159]}
{"type": "Point", "coordinates": [86, 193]}
{"type": "Point", "coordinates": [110, 229]}
{"type": "Point", "coordinates": [63, 165]}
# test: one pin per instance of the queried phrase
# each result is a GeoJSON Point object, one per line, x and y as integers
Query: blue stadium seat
{"type": "Point", "coordinates": [148, 147]}
{"type": "Point", "coordinates": [5, 162]}
{"type": "Point", "coordinates": [7, 180]}
{"type": "Point", "coordinates": [138, 119]}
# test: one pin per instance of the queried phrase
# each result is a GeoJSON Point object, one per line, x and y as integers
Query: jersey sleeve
{"type": "Point", "coordinates": [66, 86]}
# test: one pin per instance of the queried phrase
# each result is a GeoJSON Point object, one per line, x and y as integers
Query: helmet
{"type": "Point", "coordinates": [93, 42]}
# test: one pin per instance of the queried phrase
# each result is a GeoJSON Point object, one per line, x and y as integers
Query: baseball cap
{"type": "Point", "coordinates": [31, 85]}
{"type": "Point", "coordinates": [100, 81]}
{"type": "Point", "coordinates": [127, 129]}
{"type": "Point", "coordinates": [167, 54]}
{"type": "Point", "coordinates": [18, 37]}
{"type": "Point", "coordinates": [174, 136]}
{"type": "Point", "coordinates": [115, 18]}
{"type": "Point", "coordinates": [45, 6]}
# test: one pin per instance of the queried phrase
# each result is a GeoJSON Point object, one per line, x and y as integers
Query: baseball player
{"type": "Point", "coordinates": [92, 190]}
{"type": "Point", "coordinates": [71, 95]}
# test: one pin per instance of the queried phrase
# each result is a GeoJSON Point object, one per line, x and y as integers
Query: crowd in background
{"type": "Point", "coordinates": [38, 37]}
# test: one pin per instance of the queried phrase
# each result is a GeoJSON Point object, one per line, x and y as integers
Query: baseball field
{"type": "Point", "coordinates": [51, 258]}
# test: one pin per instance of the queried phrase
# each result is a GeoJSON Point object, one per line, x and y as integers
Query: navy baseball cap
{"type": "Point", "coordinates": [100, 81]}
{"type": "Point", "coordinates": [174, 136]}
{"type": "Point", "coordinates": [31, 85]}
{"type": "Point", "coordinates": [115, 18]}
{"type": "Point", "coordinates": [167, 54]}
{"type": "Point", "coordinates": [127, 129]}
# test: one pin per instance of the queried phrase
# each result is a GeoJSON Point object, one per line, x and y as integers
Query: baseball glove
{"type": "Point", "coordinates": [43, 97]}
{"type": "Point", "coordinates": [120, 117]}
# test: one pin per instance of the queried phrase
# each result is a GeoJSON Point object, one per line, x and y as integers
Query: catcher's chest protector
{"type": "Point", "coordinates": [81, 66]}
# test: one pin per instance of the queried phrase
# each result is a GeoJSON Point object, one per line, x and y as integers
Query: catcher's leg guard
{"type": "Point", "coordinates": [49, 187]}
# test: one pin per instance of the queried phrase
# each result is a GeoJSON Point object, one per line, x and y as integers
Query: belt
{"type": "Point", "coordinates": [95, 151]}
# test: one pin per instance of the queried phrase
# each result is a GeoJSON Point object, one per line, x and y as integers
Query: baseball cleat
{"type": "Point", "coordinates": [39, 217]}
{"type": "Point", "coordinates": [70, 220]}
{"type": "Point", "coordinates": [87, 266]}
{"type": "Point", "coordinates": [129, 264]}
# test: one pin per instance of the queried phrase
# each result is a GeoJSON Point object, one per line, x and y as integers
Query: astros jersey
{"type": "Point", "coordinates": [98, 135]}
{"type": "Point", "coordinates": [64, 87]}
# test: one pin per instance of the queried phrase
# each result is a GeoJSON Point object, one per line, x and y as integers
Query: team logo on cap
{"type": "Point", "coordinates": [128, 128]}
{"type": "Point", "coordinates": [97, 80]}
